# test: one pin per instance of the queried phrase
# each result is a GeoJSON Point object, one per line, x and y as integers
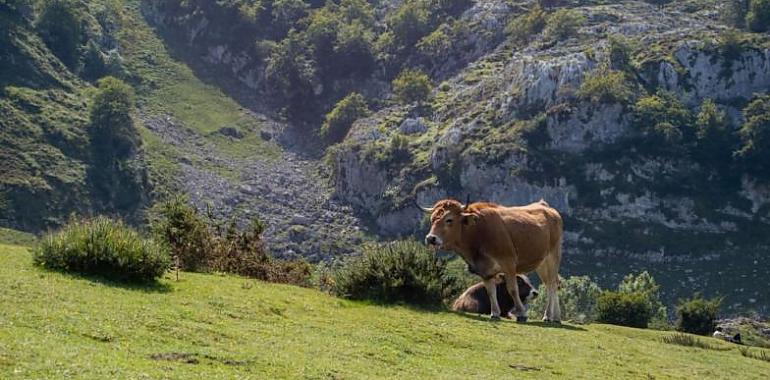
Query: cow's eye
{"type": "Point", "coordinates": [449, 221]}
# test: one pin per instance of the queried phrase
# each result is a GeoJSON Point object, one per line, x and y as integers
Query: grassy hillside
{"type": "Point", "coordinates": [54, 326]}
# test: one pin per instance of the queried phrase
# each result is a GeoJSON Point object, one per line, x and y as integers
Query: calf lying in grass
{"type": "Point", "coordinates": [476, 299]}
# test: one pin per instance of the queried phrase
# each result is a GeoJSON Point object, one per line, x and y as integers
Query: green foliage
{"type": "Point", "coordinates": [563, 24]}
{"type": "Point", "coordinates": [94, 63]}
{"type": "Point", "coordinates": [410, 23]}
{"type": "Point", "coordinates": [291, 70]}
{"type": "Point", "coordinates": [730, 45]}
{"type": "Point", "coordinates": [713, 133]}
{"type": "Point", "coordinates": [605, 86]}
{"type": "Point", "coordinates": [621, 49]}
{"type": "Point", "coordinates": [412, 86]}
{"type": "Point", "coordinates": [398, 150]}
{"type": "Point", "coordinates": [734, 13]}
{"type": "Point", "coordinates": [578, 296]}
{"type": "Point", "coordinates": [15, 8]}
{"type": "Point", "coordinates": [400, 272]}
{"type": "Point", "coordinates": [658, 2]}
{"type": "Point", "coordinates": [687, 341]}
{"type": "Point", "coordinates": [624, 309]}
{"type": "Point", "coordinates": [662, 117]}
{"type": "Point", "coordinates": [112, 130]}
{"type": "Point", "coordinates": [59, 26]}
{"type": "Point", "coordinates": [341, 118]}
{"type": "Point", "coordinates": [758, 16]}
{"type": "Point", "coordinates": [183, 231]}
{"type": "Point", "coordinates": [755, 135]}
{"type": "Point", "coordinates": [645, 284]}
{"type": "Point", "coordinates": [697, 315]}
{"type": "Point", "coordinates": [286, 13]}
{"type": "Point", "coordinates": [521, 28]}
{"type": "Point", "coordinates": [102, 247]}
{"type": "Point", "coordinates": [198, 243]}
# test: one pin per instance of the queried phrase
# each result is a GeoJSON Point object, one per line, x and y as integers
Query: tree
{"type": "Point", "coordinates": [59, 27]}
{"type": "Point", "coordinates": [713, 133]}
{"type": "Point", "coordinates": [522, 27]}
{"type": "Point", "coordinates": [286, 13]}
{"type": "Point", "coordinates": [291, 70]}
{"type": "Point", "coordinates": [755, 136]}
{"type": "Point", "coordinates": [662, 117]}
{"type": "Point", "coordinates": [563, 24]}
{"type": "Point", "coordinates": [341, 118]}
{"type": "Point", "coordinates": [412, 86]}
{"type": "Point", "coordinates": [758, 16]}
{"type": "Point", "coordinates": [645, 284]}
{"type": "Point", "coordinates": [15, 8]}
{"type": "Point", "coordinates": [734, 13]}
{"type": "Point", "coordinates": [112, 128]}
{"type": "Point", "coordinates": [606, 86]}
{"type": "Point", "coordinates": [410, 23]}
{"type": "Point", "coordinates": [620, 51]}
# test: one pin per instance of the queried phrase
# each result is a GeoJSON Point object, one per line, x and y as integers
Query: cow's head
{"type": "Point", "coordinates": [448, 218]}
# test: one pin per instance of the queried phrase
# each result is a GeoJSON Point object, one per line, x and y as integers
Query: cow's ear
{"type": "Point", "coordinates": [469, 219]}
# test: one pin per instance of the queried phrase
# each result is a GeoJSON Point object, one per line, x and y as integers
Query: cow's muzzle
{"type": "Point", "coordinates": [433, 240]}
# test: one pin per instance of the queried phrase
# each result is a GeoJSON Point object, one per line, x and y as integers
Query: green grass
{"type": "Point", "coordinates": [13, 237]}
{"type": "Point", "coordinates": [54, 325]}
{"type": "Point", "coordinates": [167, 86]}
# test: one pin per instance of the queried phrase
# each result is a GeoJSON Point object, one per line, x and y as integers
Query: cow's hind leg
{"type": "Point", "coordinates": [548, 272]}
{"type": "Point", "coordinates": [489, 284]}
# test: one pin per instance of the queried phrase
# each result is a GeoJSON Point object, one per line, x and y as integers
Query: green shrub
{"type": "Point", "coordinates": [201, 244]}
{"type": "Point", "coordinates": [620, 52]}
{"type": "Point", "coordinates": [243, 253]}
{"type": "Point", "coordinates": [624, 309]}
{"type": "Point", "coordinates": [401, 272]}
{"type": "Point", "coordinates": [755, 136]}
{"type": "Point", "coordinates": [578, 296]}
{"type": "Point", "coordinates": [184, 231]}
{"type": "Point", "coordinates": [410, 23]}
{"type": "Point", "coordinates": [734, 13]}
{"type": "Point", "coordinates": [730, 45]}
{"type": "Point", "coordinates": [715, 140]}
{"type": "Point", "coordinates": [605, 86]}
{"type": "Point", "coordinates": [15, 8]}
{"type": "Point", "coordinates": [522, 27]}
{"type": "Point", "coordinates": [697, 315]}
{"type": "Point", "coordinates": [59, 27]}
{"type": "Point", "coordinates": [645, 284]}
{"type": "Point", "coordinates": [341, 118]}
{"type": "Point", "coordinates": [758, 16]}
{"type": "Point", "coordinates": [662, 117]}
{"type": "Point", "coordinates": [563, 24]}
{"type": "Point", "coordinates": [113, 133]}
{"type": "Point", "coordinates": [412, 86]}
{"type": "Point", "coordinates": [102, 247]}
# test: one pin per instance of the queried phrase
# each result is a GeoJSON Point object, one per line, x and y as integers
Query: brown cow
{"type": "Point", "coordinates": [495, 239]}
{"type": "Point", "coordinates": [476, 299]}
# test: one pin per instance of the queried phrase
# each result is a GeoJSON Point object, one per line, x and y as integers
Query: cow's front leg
{"type": "Point", "coordinates": [489, 284]}
{"type": "Point", "coordinates": [512, 285]}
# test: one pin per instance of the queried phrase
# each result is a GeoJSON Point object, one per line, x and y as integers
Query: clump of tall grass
{"type": "Point", "coordinates": [105, 247]}
{"type": "Point", "coordinates": [687, 341]}
{"type": "Point", "coordinates": [755, 354]}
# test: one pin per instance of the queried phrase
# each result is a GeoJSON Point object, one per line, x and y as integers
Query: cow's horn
{"type": "Point", "coordinates": [423, 209]}
{"type": "Point", "coordinates": [467, 202]}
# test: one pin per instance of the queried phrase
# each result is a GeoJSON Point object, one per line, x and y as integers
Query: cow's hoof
{"type": "Point", "coordinates": [494, 318]}
{"type": "Point", "coordinates": [521, 319]}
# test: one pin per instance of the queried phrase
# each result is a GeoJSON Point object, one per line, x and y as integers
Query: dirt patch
{"type": "Point", "coordinates": [176, 357]}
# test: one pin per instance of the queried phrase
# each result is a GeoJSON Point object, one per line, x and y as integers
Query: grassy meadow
{"type": "Point", "coordinates": [55, 325]}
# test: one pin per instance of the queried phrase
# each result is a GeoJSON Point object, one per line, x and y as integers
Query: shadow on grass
{"type": "Point", "coordinates": [550, 325]}
{"type": "Point", "coordinates": [145, 287]}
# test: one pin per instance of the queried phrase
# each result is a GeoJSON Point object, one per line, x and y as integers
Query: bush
{"type": "Point", "coordinates": [59, 27]}
{"type": "Point", "coordinates": [412, 86]}
{"type": "Point", "coordinates": [113, 133]}
{"type": "Point", "coordinates": [755, 136]}
{"type": "Point", "coordinates": [201, 244]}
{"type": "Point", "coordinates": [734, 13]}
{"type": "Point", "coordinates": [243, 253]}
{"type": "Point", "coordinates": [410, 23]}
{"type": "Point", "coordinates": [624, 309]}
{"type": "Point", "coordinates": [401, 272]}
{"type": "Point", "coordinates": [645, 284]}
{"type": "Point", "coordinates": [758, 16]}
{"type": "Point", "coordinates": [341, 118]}
{"type": "Point", "coordinates": [730, 45]}
{"type": "Point", "coordinates": [662, 117]}
{"type": "Point", "coordinates": [523, 26]}
{"type": "Point", "coordinates": [697, 315]}
{"type": "Point", "coordinates": [184, 232]}
{"type": "Point", "coordinates": [620, 51]}
{"type": "Point", "coordinates": [102, 247]}
{"type": "Point", "coordinates": [606, 86]}
{"type": "Point", "coordinates": [577, 298]}
{"type": "Point", "coordinates": [563, 24]}
{"type": "Point", "coordinates": [715, 141]}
